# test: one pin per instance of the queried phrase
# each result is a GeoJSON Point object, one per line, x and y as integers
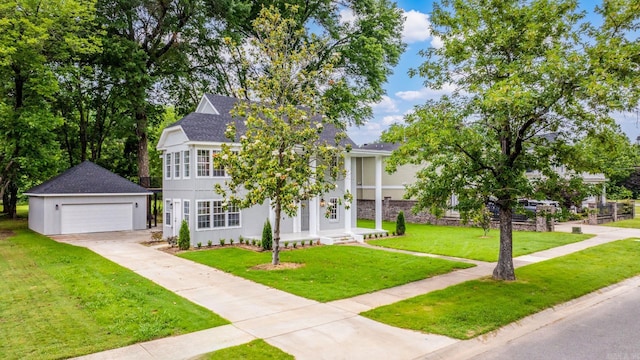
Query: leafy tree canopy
{"type": "Point", "coordinates": [534, 87]}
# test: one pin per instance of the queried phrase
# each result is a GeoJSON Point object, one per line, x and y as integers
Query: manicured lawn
{"type": "Point", "coordinates": [475, 307]}
{"type": "Point", "coordinates": [630, 224]}
{"type": "Point", "coordinates": [329, 272]}
{"type": "Point", "coordinates": [468, 243]}
{"type": "Point", "coordinates": [255, 350]}
{"type": "Point", "coordinates": [61, 301]}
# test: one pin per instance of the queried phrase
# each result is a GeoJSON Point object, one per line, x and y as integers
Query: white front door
{"type": "Point", "coordinates": [176, 217]}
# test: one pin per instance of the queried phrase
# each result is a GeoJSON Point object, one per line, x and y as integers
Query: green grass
{"type": "Point", "coordinates": [255, 350]}
{"type": "Point", "coordinates": [475, 307]}
{"type": "Point", "coordinates": [329, 272]}
{"type": "Point", "coordinates": [629, 224]}
{"type": "Point", "coordinates": [467, 242]}
{"type": "Point", "coordinates": [61, 301]}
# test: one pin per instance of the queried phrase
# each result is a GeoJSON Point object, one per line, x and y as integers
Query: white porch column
{"type": "Point", "coordinates": [347, 187]}
{"type": "Point", "coordinates": [297, 220]}
{"type": "Point", "coordinates": [378, 192]}
{"type": "Point", "coordinates": [313, 209]}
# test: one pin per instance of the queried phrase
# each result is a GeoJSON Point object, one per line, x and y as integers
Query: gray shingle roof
{"type": "Point", "coordinates": [380, 146]}
{"type": "Point", "coordinates": [211, 128]}
{"type": "Point", "coordinates": [87, 178]}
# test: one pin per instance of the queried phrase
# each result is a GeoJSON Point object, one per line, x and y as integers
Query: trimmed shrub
{"type": "Point", "coordinates": [209, 243]}
{"type": "Point", "coordinates": [222, 241]}
{"type": "Point", "coordinates": [267, 236]}
{"type": "Point", "coordinates": [199, 244]}
{"type": "Point", "coordinates": [400, 227]}
{"type": "Point", "coordinates": [184, 240]}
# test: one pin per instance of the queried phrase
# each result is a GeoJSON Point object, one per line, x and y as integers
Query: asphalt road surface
{"type": "Point", "coordinates": [608, 331]}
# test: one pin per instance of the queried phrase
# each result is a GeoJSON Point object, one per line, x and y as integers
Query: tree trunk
{"type": "Point", "coordinates": [12, 201]}
{"type": "Point", "coordinates": [143, 153]}
{"type": "Point", "coordinates": [276, 236]}
{"type": "Point", "coordinates": [504, 268]}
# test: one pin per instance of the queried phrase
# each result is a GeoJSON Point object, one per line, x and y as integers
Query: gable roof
{"type": "Point", "coordinates": [208, 127]}
{"type": "Point", "coordinates": [87, 178]}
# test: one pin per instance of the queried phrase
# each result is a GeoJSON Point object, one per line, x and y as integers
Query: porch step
{"type": "Point", "coordinates": [337, 239]}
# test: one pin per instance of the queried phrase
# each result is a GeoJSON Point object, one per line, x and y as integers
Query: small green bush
{"type": "Point", "coordinates": [295, 245]}
{"type": "Point", "coordinates": [222, 241]}
{"type": "Point", "coordinates": [241, 240]}
{"type": "Point", "coordinates": [209, 243]}
{"type": "Point", "coordinates": [199, 244]}
{"type": "Point", "coordinates": [184, 240]}
{"type": "Point", "coordinates": [267, 236]}
{"type": "Point", "coordinates": [400, 227]}
{"type": "Point", "coordinates": [231, 241]}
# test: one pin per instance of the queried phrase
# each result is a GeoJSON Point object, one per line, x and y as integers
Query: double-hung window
{"type": "Point", "coordinates": [176, 165]}
{"type": "Point", "coordinates": [167, 164]}
{"type": "Point", "coordinates": [233, 216]}
{"type": "Point", "coordinates": [167, 213]}
{"type": "Point", "coordinates": [219, 215]}
{"type": "Point", "coordinates": [186, 164]}
{"type": "Point", "coordinates": [218, 171]}
{"type": "Point", "coordinates": [204, 214]}
{"type": "Point", "coordinates": [186, 210]}
{"type": "Point", "coordinates": [204, 163]}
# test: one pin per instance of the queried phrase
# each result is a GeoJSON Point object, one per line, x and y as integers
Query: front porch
{"type": "Point", "coordinates": [326, 237]}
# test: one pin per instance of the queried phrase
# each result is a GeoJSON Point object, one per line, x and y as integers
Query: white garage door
{"type": "Point", "coordinates": [84, 218]}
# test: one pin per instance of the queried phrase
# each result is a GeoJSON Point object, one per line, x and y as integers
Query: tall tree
{"type": "Point", "coordinates": [531, 80]}
{"type": "Point", "coordinates": [36, 36]}
{"type": "Point", "coordinates": [366, 44]}
{"type": "Point", "coordinates": [283, 156]}
{"type": "Point", "coordinates": [148, 40]}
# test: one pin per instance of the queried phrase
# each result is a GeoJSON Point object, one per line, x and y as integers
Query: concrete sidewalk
{"type": "Point", "coordinates": [304, 328]}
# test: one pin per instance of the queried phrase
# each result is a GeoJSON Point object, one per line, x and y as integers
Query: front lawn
{"type": "Point", "coordinates": [255, 350]}
{"type": "Point", "coordinates": [629, 224]}
{"type": "Point", "coordinates": [61, 301]}
{"type": "Point", "coordinates": [475, 307]}
{"type": "Point", "coordinates": [467, 242]}
{"type": "Point", "coordinates": [329, 272]}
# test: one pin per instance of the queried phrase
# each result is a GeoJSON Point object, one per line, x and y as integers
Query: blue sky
{"type": "Point", "coordinates": [403, 92]}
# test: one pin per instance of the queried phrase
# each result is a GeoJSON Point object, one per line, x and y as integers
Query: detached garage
{"type": "Point", "coordinates": [87, 198]}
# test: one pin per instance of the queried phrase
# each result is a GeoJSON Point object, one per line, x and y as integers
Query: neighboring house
{"type": "Point", "coordinates": [393, 185]}
{"type": "Point", "coordinates": [87, 198]}
{"type": "Point", "coordinates": [189, 177]}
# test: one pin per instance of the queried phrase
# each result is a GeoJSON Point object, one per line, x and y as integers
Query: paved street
{"type": "Point", "coordinates": [609, 330]}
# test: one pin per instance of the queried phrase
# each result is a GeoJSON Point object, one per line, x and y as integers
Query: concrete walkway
{"type": "Point", "coordinates": [301, 327]}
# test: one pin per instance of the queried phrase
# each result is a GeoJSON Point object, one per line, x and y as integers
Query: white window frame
{"type": "Point", "coordinates": [333, 209]}
{"type": "Point", "coordinates": [214, 204]}
{"type": "Point", "coordinates": [198, 214]}
{"type": "Point", "coordinates": [167, 166]}
{"type": "Point", "coordinates": [177, 171]}
{"type": "Point", "coordinates": [186, 164]}
{"type": "Point", "coordinates": [216, 172]}
{"type": "Point", "coordinates": [186, 211]}
{"type": "Point", "coordinates": [207, 162]}
{"type": "Point", "coordinates": [167, 213]}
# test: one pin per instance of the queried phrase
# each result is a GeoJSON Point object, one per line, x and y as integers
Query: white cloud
{"type": "Point", "coordinates": [392, 119]}
{"type": "Point", "coordinates": [347, 16]}
{"type": "Point", "coordinates": [387, 105]}
{"type": "Point", "coordinates": [425, 93]}
{"type": "Point", "coordinates": [417, 27]}
{"type": "Point", "coordinates": [437, 42]}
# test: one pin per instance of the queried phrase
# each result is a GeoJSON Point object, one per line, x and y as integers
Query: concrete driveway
{"type": "Point", "coordinates": [304, 328]}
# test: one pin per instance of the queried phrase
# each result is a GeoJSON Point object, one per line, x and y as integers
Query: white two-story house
{"type": "Point", "coordinates": [189, 177]}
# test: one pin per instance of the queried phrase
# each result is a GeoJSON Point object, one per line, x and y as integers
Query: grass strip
{"type": "Point", "coordinates": [629, 224]}
{"type": "Point", "coordinates": [329, 272]}
{"type": "Point", "coordinates": [475, 307]}
{"type": "Point", "coordinates": [467, 242]}
{"type": "Point", "coordinates": [255, 350]}
{"type": "Point", "coordinates": [60, 301]}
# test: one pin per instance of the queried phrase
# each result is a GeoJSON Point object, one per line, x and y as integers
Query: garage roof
{"type": "Point", "coordinates": [87, 178]}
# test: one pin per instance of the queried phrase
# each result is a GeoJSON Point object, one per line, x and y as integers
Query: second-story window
{"type": "Point", "coordinates": [204, 163]}
{"type": "Point", "coordinates": [176, 165]}
{"type": "Point", "coordinates": [218, 171]}
{"type": "Point", "coordinates": [186, 163]}
{"type": "Point", "coordinates": [167, 164]}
